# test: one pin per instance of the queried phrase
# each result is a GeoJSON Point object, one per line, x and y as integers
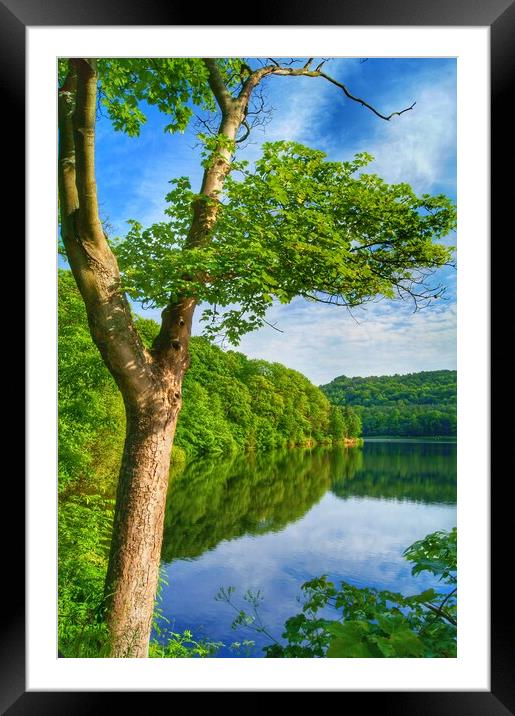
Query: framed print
{"type": "Point", "coordinates": [462, 39]}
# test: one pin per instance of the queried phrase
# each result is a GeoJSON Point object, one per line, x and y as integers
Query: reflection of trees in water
{"type": "Point", "coordinates": [214, 500]}
{"type": "Point", "coordinates": [416, 472]}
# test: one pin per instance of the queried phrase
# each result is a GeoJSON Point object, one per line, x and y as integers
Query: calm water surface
{"type": "Point", "coordinates": [274, 520]}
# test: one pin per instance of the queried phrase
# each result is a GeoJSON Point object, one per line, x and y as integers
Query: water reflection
{"type": "Point", "coordinates": [216, 500]}
{"type": "Point", "coordinates": [417, 472]}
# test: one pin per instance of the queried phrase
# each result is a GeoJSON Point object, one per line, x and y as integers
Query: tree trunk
{"type": "Point", "coordinates": [134, 561]}
{"type": "Point", "coordinates": [150, 381]}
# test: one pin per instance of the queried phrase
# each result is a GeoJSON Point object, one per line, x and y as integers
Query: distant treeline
{"type": "Point", "coordinates": [414, 404]}
{"type": "Point", "coordinates": [232, 403]}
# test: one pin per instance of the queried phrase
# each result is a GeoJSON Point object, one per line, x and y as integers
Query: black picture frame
{"type": "Point", "coordinates": [499, 15]}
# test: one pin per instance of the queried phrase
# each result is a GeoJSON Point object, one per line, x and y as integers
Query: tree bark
{"type": "Point", "coordinates": [135, 556]}
{"type": "Point", "coordinates": [134, 562]}
{"type": "Point", "coordinates": [150, 388]}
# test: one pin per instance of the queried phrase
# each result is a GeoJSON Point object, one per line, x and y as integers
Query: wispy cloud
{"type": "Point", "coordinates": [324, 341]}
{"type": "Point", "coordinates": [419, 147]}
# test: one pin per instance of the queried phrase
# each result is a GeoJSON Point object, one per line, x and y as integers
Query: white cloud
{"type": "Point", "coordinates": [323, 342]}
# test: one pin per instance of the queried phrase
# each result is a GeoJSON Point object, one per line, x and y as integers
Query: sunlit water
{"type": "Point", "coordinates": [273, 521]}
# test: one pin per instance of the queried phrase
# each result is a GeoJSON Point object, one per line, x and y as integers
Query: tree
{"type": "Point", "coordinates": [337, 426]}
{"type": "Point", "coordinates": [352, 421]}
{"type": "Point", "coordinates": [298, 225]}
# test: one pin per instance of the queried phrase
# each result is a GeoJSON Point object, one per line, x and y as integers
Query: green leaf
{"type": "Point", "coordinates": [401, 643]}
{"type": "Point", "coordinates": [427, 596]}
{"type": "Point", "coordinates": [351, 641]}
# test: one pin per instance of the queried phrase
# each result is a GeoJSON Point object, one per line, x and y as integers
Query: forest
{"type": "Point", "coordinates": [415, 404]}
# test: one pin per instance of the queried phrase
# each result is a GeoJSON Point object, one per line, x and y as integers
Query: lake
{"type": "Point", "coordinates": [272, 521]}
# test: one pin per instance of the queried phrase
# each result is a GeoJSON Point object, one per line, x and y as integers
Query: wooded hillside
{"type": "Point", "coordinates": [414, 404]}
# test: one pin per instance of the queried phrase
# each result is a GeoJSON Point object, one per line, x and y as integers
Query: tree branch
{"type": "Point", "coordinates": [84, 139]}
{"type": "Point", "coordinates": [275, 69]}
{"type": "Point", "coordinates": [272, 325]}
{"type": "Point", "coordinates": [362, 101]}
{"type": "Point", "coordinates": [247, 132]}
{"type": "Point", "coordinates": [440, 613]}
{"type": "Point", "coordinates": [437, 611]}
{"type": "Point", "coordinates": [329, 301]}
{"type": "Point", "coordinates": [217, 85]}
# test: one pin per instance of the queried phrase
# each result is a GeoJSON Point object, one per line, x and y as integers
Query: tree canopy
{"type": "Point", "coordinates": [295, 225]}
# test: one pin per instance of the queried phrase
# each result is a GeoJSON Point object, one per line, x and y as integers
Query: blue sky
{"type": "Point", "coordinates": [419, 148]}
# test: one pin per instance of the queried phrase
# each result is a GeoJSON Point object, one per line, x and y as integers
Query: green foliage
{"type": "Point", "coordinates": [173, 85]}
{"type": "Point", "coordinates": [352, 422]}
{"type": "Point", "coordinates": [85, 523]}
{"type": "Point", "coordinates": [437, 553]}
{"type": "Point", "coordinates": [298, 225]}
{"type": "Point", "coordinates": [182, 646]}
{"type": "Point", "coordinates": [170, 84]}
{"type": "Point", "coordinates": [232, 403]}
{"type": "Point", "coordinates": [91, 414]}
{"type": "Point", "coordinates": [372, 623]}
{"type": "Point", "coordinates": [415, 404]}
{"type": "Point", "coordinates": [91, 431]}
{"type": "Point", "coordinates": [336, 423]}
